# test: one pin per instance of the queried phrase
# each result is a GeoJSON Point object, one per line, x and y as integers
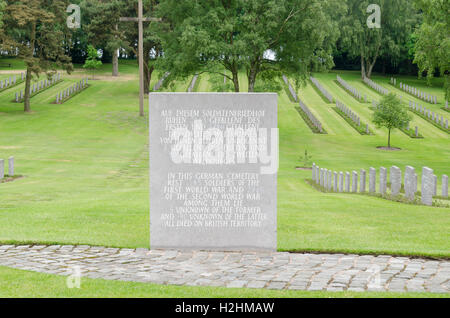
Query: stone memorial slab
{"type": "Point", "coordinates": [396, 180]}
{"type": "Point", "coordinates": [347, 182]}
{"type": "Point", "coordinates": [341, 182]}
{"type": "Point", "coordinates": [362, 184]}
{"type": "Point", "coordinates": [213, 171]}
{"type": "Point", "coordinates": [434, 185]}
{"type": "Point", "coordinates": [335, 181]}
{"type": "Point", "coordinates": [354, 181]}
{"type": "Point", "coordinates": [11, 166]}
{"type": "Point", "coordinates": [410, 182]}
{"type": "Point", "coordinates": [2, 168]}
{"type": "Point", "coordinates": [383, 180]}
{"type": "Point", "coordinates": [427, 186]}
{"type": "Point", "coordinates": [445, 186]}
{"type": "Point", "coordinates": [372, 180]}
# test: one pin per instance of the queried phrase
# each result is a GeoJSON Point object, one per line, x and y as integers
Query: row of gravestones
{"type": "Point", "coordinates": [338, 182]}
{"type": "Point", "coordinates": [291, 89]}
{"type": "Point", "coordinates": [160, 82]}
{"type": "Point", "coordinates": [311, 116]}
{"type": "Point", "coordinates": [322, 89]}
{"type": "Point", "coordinates": [11, 81]}
{"type": "Point", "coordinates": [416, 131]}
{"type": "Point", "coordinates": [416, 92]}
{"type": "Point", "coordinates": [192, 86]}
{"type": "Point", "coordinates": [380, 89]}
{"type": "Point", "coordinates": [352, 115]}
{"type": "Point", "coordinates": [429, 114]}
{"type": "Point", "coordinates": [61, 97]}
{"type": "Point", "coordinates": [356, 93]}
{"type": "Point", "coordinates": [10, 167]}
{"type": "Point", "coordinates": [35, 88]}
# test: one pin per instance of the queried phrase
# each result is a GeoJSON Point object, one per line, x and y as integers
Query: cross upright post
{"type": "Point", "coordinates": [140, 19]}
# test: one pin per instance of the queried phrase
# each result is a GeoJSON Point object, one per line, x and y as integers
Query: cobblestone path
{"type": "Point", "coordinates": [331, 272]}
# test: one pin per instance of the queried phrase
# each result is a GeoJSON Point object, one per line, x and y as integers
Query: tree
{"type": "Point", "coordinates": [36, 31]}
{"type": "Point", "coordinates": [397, 20]}
{"type": "Point", "coordinates": [266, 38]}
{"type": "Point", "coordinates": [103, 26]}
{"type": "Point", "coordinates": [2, 7]}
{"type": "Point", "coordinates": [92, 61]}
{"type": "Point", "coordinates": [391, 114]}
{"type": "Point", "coordinates": [432, 49]}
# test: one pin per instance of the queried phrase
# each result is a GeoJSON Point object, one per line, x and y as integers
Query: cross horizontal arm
{"type": "Point", "coordinates": [125, 19]}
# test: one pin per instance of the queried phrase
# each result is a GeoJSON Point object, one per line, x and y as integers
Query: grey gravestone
{"type": "Point", "coordinates": [354, 181]}
{"type": "Point", "coordinates": [362, 185]}
{"type": "Point", "coordinates": [372, 180]}
{"type": "Point", "coordinates": [347, 182]}
{"type": "Point", "coordinates": [445, 186]}
{"type": "Point", "coordinates": [335, 181]}
{"type": "Point", "coordinates": [314, 172]}
{"type": "Point", "coordinates": [11, 166]}
{"type": "Point", "coordinates": [434, 185]}
{"type": "Point", "coordinates": [206, 192]}
{"type": "Point", "coordinates": [410, 182]}
{"type": "Point", "coordinates": [341, 181]}
{"type": "Point", "coordinates": [325, 177]}
{"type": "Point", "coordinates": [427, 186]}
{"type": "Point", "coordinates": [321, 177]}
{"type": "Point", "coordinates": [383, 180]}
{"type": "Point", "coordinates": [318, 175]}
{"type": "Point", "coordinates": [2, 168]}
{"type": "Point", "coordinates": [396, 180]}
{"type": "Point", "coordinates": [330, 173]}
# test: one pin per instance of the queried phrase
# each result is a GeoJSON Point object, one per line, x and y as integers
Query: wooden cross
{"type": "Point", "coordinates": [140, 19]}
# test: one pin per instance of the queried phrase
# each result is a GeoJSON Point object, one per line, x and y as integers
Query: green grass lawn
{"type": "Point", "coordinates": [85, 168]}
{"type": "Point", "coordinates": [17, 283]}
{"type": "Point", "coordinates": [85, 180]}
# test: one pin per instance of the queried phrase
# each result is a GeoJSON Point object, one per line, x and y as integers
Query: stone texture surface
{"type": "Point", "coordinates": [331, 272]}
{"type": "Point", "coordinates": [372, 180]}
{"type": "Point", "coordinates": [427, 186]}
{"type": "Point", "coordinates": [396, 180]}
{"type": "Point", "coordinates": [445, 186]}
{"type": "Point", "coordinates": [383, 180]}
{"type": "Point", "coordinates": [410, 182]}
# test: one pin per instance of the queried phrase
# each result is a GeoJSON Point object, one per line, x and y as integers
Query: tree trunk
{"type": "Point", "coordinates": [147, 73]}
{"type": "Point", "coordinates": [251, 81]}
{"type": "Point", "coordinates": [115, 59]}
{"type": "Point", "coordinates": [27, 95]}
{"type": "Point", "coordinates": [363, 67]}
{"type": "Point", "coordinates": [235, 80]}
{"type": "Point", "coordinates": [27, 107]}
{"type": "Point", "coordinates": [369, 72]}
{"type": "Point", "coordinates": [115, 63]}
{"type": "Point", "coordinates": [389, 139]}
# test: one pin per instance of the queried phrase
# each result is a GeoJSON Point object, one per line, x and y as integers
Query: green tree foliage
{"type": "Point", "coordinates": [92, 63]}
{"type": "Point", "coordinates": [2, 7]}
{"type": "Point", "coordinates": [391, 114]}
{"type": "Point", "coordinates": [225, 36]}
{"type": "Point", "coordinates": [432, 49]}
{"type": "Point", "coordinates": [397, 21]}
{"type": "Point", "coordinates": [103, 26]}
{"type": "Point", "coordinates": [37, 32]}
